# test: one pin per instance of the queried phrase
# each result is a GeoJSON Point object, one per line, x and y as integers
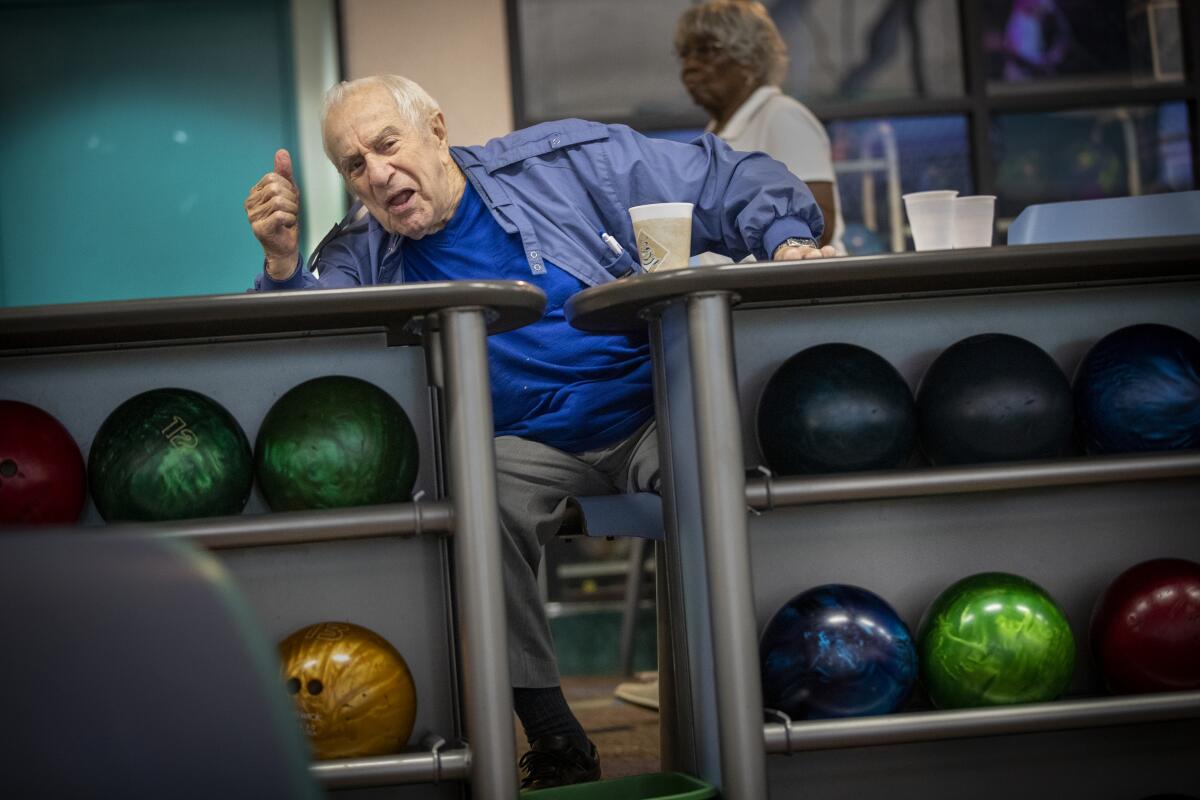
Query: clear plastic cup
{"type": "Point", "coordinates": [974, 217]}
{"type": "Point", "coordinates": [663, 232]}
{"type": "Point", "coordinates": [931, 218]}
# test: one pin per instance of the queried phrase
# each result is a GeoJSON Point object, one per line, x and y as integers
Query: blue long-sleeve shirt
{"type": "Point", "coordinates": [554, 384]}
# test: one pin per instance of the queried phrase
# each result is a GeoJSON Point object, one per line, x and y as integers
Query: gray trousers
{"type": "Point", "coordinates": [536, 484]}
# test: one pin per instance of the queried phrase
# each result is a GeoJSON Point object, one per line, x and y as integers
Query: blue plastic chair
{"type": "Point", "coordinates": [638, 514]}
{"type": "Point", "coordinates": [1172, 214]}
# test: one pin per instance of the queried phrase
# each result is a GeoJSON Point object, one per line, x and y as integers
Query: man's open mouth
{"type": "Point", "coordinates": [399, 201]}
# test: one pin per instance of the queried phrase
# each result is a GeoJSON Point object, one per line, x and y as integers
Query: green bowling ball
{"type": "Point", "coordinates": [169, 454]}
{"type": "Point", "coordinates": [332, 442]}
{"type": "Point", "coordinates": [994, 639]}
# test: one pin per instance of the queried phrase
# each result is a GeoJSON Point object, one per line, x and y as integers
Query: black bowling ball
{"type": "Point", "coordinates": [835, 408]}
{"type": "Point", "coordinates": [994, 397]}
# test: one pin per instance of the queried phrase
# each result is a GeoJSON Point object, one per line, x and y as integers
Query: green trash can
{"type": "Point", "coordinates": [656, 786]}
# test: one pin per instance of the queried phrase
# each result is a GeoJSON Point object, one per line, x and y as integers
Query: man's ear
{"type": "Point", "coordinates": [437, 127]}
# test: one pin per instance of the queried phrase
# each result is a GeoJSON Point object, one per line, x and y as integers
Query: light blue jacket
{"type": "Point", "coordinates": [560, 184]}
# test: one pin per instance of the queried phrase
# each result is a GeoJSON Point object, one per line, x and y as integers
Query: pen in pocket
{"type": "Point", "coordinates": [612, 243]}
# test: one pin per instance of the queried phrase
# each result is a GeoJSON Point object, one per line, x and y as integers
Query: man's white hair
{"type": "Point", "coordinates": [415, 105]}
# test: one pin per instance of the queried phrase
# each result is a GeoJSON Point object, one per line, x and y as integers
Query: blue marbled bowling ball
{"type": "Point", "coordinates": [1138, 390]}
{"type": "Point", "coordinates": [837, 651]}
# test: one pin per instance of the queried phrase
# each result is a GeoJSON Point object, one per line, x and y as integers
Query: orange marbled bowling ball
{"type": "Point", "coordinates": [353, 690]}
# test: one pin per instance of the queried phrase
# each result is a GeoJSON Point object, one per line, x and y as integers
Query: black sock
{"type": "Point", "coordinates": [544, 712]}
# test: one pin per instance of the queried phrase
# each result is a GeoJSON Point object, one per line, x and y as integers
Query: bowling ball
{"type": "Point", "coordinates": [994, 639]}
{"type": "Point", "coordinates": [835, 408]}
{"type": "Point", "coordinates": [335, 441]}
{"type": "Point", "coordinates": [41, 469]}
{"type": "Point", "coordinates": [836, 651]}
{"type": "Point", "coordinates": [994, 397]}
{"type": "Point", "coordinates": [170, 454]}
{"type": "Point", "coordinates": [352, 690]}
{"type": "Point", "coordinates": [1145, 629]}
{"type": "Point", "coordinates": [1138, 389]}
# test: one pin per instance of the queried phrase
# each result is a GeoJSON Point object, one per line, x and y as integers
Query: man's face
{"type": "Point", "coordinates": [401, 174]}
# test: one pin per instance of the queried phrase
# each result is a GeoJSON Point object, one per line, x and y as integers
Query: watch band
{"type": "Point", "coordinates": [796, 241]}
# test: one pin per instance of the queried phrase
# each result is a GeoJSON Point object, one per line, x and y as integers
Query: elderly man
{"type": "Point", "coordinates": [573, 410]}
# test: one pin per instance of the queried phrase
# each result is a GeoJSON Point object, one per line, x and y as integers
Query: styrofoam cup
{"type": "Point", "coordinates": [931, 218]}
{"type": "Point", "coordinates": [663, 232]}
{"type": "Point", "coordinates": [974, 216]}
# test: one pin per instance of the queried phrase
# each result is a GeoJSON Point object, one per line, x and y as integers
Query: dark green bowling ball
{"type": "Point", "coordinates": [332, 442]}
{"type": "Point", "coordinates": [170, 454]}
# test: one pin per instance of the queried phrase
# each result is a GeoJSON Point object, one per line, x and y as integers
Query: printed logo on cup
{"type": "Point", "coordinates": [652, 252]}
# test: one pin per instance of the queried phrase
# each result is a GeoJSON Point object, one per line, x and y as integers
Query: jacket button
{"type": "Point", "coordinates": [555, 141]}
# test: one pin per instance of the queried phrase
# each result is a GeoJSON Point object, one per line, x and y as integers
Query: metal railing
{"type": "Point", "coordinates": [929, 726]}
{"type": "Point", "coordinates": [770, 492]}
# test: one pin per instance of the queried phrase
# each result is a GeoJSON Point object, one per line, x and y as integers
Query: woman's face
{"type": "Point", "coordinates": [715, 81]}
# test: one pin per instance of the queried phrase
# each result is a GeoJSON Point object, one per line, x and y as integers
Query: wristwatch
{"type": "Point", "coordinates": [796, 241]}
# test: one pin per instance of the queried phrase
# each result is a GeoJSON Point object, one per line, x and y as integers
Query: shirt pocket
{"type": "Point", "coordinates": [619, 266]}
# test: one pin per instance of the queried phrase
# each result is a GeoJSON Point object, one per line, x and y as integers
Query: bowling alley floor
{"type": "Point", "coordinates": [626, 735]}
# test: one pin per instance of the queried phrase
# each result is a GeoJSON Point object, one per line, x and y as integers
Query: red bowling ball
{"type": "Point", "coordinates": [1145, 629]}
{"type": "Point", "coordinates": [41, 468]}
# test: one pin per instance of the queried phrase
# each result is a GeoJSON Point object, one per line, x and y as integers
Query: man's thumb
{"type": "Point", "coordinates": [283, 164]}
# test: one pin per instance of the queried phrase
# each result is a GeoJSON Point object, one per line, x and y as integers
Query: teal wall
{"type": "Point", "coordinates": [589, 642]}
{"type": "Point", "coordinates": [130, 133]}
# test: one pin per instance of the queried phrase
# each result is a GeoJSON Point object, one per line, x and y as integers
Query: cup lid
{"type": "Point", "coordinates": [655, 210]}
{"type": "Point", "coordinates": [936, 194]}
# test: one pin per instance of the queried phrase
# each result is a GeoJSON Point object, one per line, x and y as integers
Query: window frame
{"type": "Point", "coordinates": [975, 103]}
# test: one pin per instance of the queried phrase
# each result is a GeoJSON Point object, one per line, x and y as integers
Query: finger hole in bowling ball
{"type": "Point", "coordinates": [293, 686]}
{"type": "Point", "coordinates": [8, 468]}
{"type": "Point", "coordinates": [315, 686]}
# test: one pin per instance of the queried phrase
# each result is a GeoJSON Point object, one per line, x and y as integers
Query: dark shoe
{"type": "Point", "coordinates": [557, 761]}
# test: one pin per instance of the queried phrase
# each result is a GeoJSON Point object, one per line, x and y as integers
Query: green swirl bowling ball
{"type": "Point", "coordinates": [169, 454]}
{"type": "Point", "coordinates": [332, 442]}
{"type": "Point", "coordinates": [994, 639]}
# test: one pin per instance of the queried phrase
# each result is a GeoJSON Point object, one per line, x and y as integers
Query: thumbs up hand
{"type": "Point", "coordinates": [273, 208]}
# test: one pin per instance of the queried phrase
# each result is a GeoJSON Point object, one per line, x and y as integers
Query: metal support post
{"type": "Point", "coordinates": [723, 509]}
{"type": "Point", "coordinates": [676, 726]}
{"type": "Point", "coordinates": [479, 581]}
{"type": "Point", "coordinates": [633, 598]}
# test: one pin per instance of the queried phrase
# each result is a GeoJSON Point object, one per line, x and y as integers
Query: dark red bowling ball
{"type": "Point", "coordinates": [41, 468]}
{"type": "Point", "coordinates": [1145, 629]}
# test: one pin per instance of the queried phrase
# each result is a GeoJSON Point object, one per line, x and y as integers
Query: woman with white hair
{"type": "Point", "coordinates": [732, 60]}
